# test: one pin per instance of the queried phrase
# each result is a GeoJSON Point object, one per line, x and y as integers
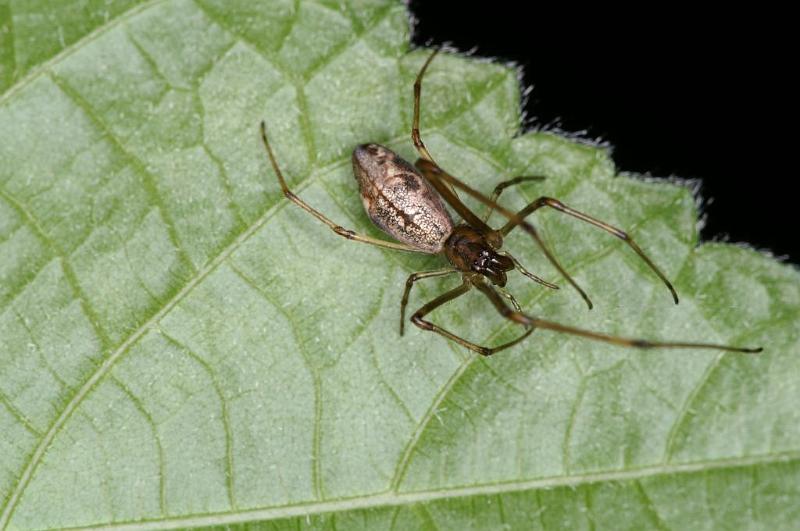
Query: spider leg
{"type": "Point", "coordinates": [410, 283]}
{"type": "Point", "coordinates": [341, 231]}
{"type": "Point", "coordinates": [440, 178]}
{"type": "Point", "coordinates": [451, 198]}
{"type": "Point", "coordinates": [446, 297]}
{"type": "Point", "coordinates": [535, 322]}
{"type": "Point", "coordinates": [418, 143]}
{"type": "Point", "coordinates": [557, 205]}
{"type": "Point", "coordinates": [415, 136]}
{"type": "Point", "coordinates": [505, 184]}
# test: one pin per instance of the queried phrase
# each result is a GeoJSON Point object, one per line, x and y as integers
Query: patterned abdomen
{"type": "Point", "coordinates": [399, 200]}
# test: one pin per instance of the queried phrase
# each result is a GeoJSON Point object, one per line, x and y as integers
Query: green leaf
{"type": "Point", "coordinates": [181, 346]}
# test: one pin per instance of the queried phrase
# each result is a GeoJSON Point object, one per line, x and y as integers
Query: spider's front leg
{"type": "Point", "coordinates": [446, 297]}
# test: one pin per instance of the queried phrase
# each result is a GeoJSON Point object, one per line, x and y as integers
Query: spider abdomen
{"type": "Point", "coordinates": [399, 200]}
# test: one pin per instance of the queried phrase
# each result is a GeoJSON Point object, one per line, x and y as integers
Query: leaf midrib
{"type": "Point", "coordinates": [391, 498]}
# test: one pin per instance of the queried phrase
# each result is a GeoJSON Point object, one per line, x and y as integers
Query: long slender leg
{"type": "Point", "coordinates": [445, 190]}
{"type": "Point", "coordinates": [505, 184]}
{"type": "Point", "coordinates": [622, 235]}
{"type": "Point", "coordinates": [535, 322]}
{"type": "Point", "coordinates": [446, 297]}
{"type": "Point", "coordinates": [341, 231]}
{"type": "Point", "coordinates": [525, 272]}
{"type": "Point", "coordinates": [415, 136]}
{"type": "Point", "coordinates": [410, 283]}
{"type": "Point", "coordinates": [437, 177]}
{"type": "Point", "coordinates": [418, 143]}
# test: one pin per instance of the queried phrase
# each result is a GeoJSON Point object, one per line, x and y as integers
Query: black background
{"type": "Point", "coordinates": [673, 93]}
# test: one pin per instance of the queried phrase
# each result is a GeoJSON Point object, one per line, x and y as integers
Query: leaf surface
{"type": "Point", "coordinates": [183, 347]}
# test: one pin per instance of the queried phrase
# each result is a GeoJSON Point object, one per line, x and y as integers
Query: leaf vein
{"type": "Point", "coordinates": [342, 48]}
{"type": "Point", "coordinates": [29, 279]}
{"type": "Point", "coordinates": [69, 274]}
{"type": "Point", "coordinates": [227, 185]}
{"type": "Point", "coordinates": [16, 413]}
{"type": "Point", "coordinates": [289, 27]}
{"type": "Point", "coordinates": [685, 410]}
{"type": "Point", "coordinates": [150, 60]}
{"type": "Point", "coordinates": [573, 416]}
{"type": "Point", "coordinates": [74, 47]}
{"type": "Point", "coordinates": [650, 508]}
{"type": "Point", "coordinates": [40, 354]}
{"type": "Point", "coordinates": [400, 500]}
{"type": "Point", "coordinates": [139, 406]}
{"type": "Point", "coordinates": [148, 179]}
{"type": "Point", "coordinates": [316, 466]}
{"type": "Point", "coordinates": [223, 403]}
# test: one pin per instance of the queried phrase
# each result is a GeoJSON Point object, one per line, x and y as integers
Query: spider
{"type": "Point", "coordinates": [407, 203]}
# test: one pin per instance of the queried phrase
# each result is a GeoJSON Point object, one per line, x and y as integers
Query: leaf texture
{"type": "Point", "coordinates": [183, 347]}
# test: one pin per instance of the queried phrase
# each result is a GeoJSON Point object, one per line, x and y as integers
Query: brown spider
{"type": "Point", "coordinates": [405, 202]}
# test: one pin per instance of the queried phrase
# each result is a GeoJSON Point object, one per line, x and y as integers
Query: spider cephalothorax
{"type": "Point", "coordinates": [469, 250]}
